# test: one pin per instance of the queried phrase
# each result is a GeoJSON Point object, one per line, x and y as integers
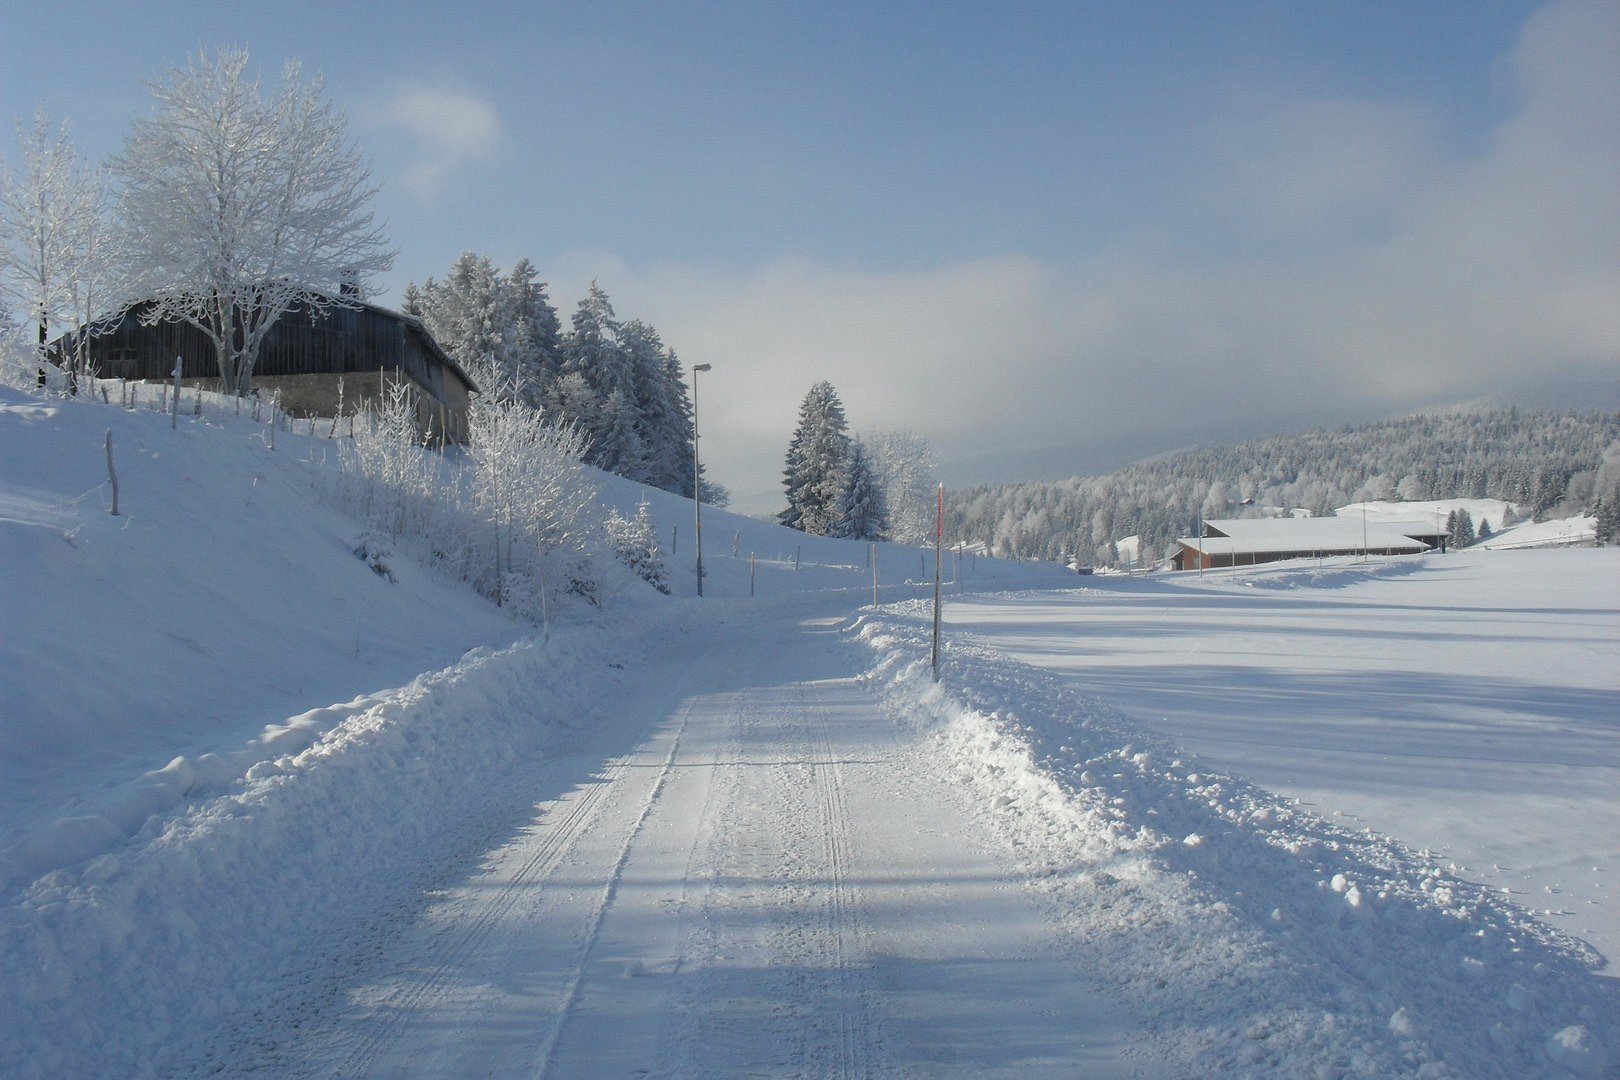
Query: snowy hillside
{"type": "Point", "coordinates": [224, 616]}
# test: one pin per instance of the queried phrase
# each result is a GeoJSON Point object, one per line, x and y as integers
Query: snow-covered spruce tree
{"type": "Point", "coordinates": [502, 329]}
{"type": "Point", "coordinates": [817, 463]}
{"type": "Point", "coordinates": [1462, 529]}
{"type": "Point", "coordinates": [663, 412]}
{"type": "Point", "coordinates": [537, 331]}
{"type": "Point", "coordinates": [904, 463]}
{"type": "Point", "coordinates": [672, 428]}
{"type": "Point", "coordinates": [239, 207]}
{"type": "Point", "coordinates": [600, 368]}
{"type": "Point", "coordinates": [1607, 517]}
{"type": "Point", "coordinates": [617, 446]}
{"type": "Point", "coordinates": [863, 511]}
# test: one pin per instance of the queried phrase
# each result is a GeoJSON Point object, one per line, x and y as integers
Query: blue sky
{"type": "Point", "coordinates": [1007, 226]}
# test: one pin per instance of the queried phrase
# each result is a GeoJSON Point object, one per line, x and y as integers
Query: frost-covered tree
{"type": "Point", "coordinates": [526, 477]}
{"type": "Point", "coordinates": [904, 464]}
{"type": "Point", "coordinates": [59, 259]}
{"type": "Point", "coordinates": [592, 355]}
{"type": "Point", "coordinates": [501, 328]}
{"type": "Point", "coordinates": [817, 463]}
{"type": "Point", "coordinates": [518, 520]}
{"type": "Point", "coordinates": [635, 540]}
{"type": "Point", "coordinates": [663, 411]}
{"type": "Point", "coordinates": [240, 206]}
{"type": "Point", "coordinates": [387, 475]}
{"type": "Point", "coordinates": [862, 510]}
{"type": "Point", "coordinates": [18, 353]}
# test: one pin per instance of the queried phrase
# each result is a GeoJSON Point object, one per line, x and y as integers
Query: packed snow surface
{"type": "Point", "coordinates": [265, 810]}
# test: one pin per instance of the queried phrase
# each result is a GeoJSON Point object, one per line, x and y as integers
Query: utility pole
{"type": "Point", "coordinates": [697, 484]}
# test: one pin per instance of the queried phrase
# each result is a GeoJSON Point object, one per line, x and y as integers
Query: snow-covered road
{"type": "Point", "coordinates": [772, 879]}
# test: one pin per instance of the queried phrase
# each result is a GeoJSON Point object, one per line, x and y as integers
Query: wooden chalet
{"type": "Point", "coordinates": [304, 356]}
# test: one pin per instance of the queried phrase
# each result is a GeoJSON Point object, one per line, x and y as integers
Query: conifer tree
{"type": "Point", "coordinates": [862, 511]}
{"type": "Point", "coordinates": [663, 422]}
{"type": "Point", "coordinates": [1607, 514]}
{"type": "Point", "coordinates": [1460, 525]}
{"type": "Point", "coordinates": [501, 329]}
{"type": "Point", "coordinates": [680, 435]}
{"type": "Point", "coordinates": [536, 329]}
{"type": "Point", "coordinates": [817, 463]}
{"type": "Point", "coordinates": [592, 352]}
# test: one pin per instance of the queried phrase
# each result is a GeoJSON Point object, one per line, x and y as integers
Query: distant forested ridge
{"type": "Point", "coordinates": [1540, 462]}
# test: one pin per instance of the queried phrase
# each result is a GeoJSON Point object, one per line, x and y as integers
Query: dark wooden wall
{"type": "Point", "coordinates": [338, 341]}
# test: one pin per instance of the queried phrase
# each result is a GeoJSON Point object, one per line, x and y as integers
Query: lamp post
{"type": "Point", "coordinates": [697, 486]}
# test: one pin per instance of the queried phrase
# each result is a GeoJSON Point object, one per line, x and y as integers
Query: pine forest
{"type": "Point", "coordinates": [1542, 463]}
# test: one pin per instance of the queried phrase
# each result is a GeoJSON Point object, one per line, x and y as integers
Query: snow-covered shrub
{"type": "Point", "coordinates": [635, 541]}
{"type": "Point", "coordinates": [517, 520]}
{"type": "Point", "coordinates": [526, 480]}
{"type": "Point", "coordinates": [387, 475]}
{"type": "Point", "coordinates": [374, 550]}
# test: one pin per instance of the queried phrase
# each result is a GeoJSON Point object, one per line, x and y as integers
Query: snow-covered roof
{"type": "Point", "coordinates": [1432, 511]}
{"type": "Point", "coordinates": [1263, 535]}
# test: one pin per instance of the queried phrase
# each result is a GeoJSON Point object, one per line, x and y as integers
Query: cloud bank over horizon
{"type": "Point", "coordinates": [1329, 251]}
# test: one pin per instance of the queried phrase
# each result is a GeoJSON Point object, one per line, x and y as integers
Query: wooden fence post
{"type": "Point", "coordinates": [112, 473]}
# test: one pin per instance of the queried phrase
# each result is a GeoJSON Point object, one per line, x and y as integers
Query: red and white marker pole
{"type": "Point", "coordinates": [939, 541]}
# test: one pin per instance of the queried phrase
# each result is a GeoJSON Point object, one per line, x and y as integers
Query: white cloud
{"type": "Point", "coordinates": [450, 128]}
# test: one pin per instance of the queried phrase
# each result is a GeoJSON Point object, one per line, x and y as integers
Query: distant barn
{"type": "Point", "coordinates": [1248, 541]}
{"type": "Point", "coordinates": [305, 355]}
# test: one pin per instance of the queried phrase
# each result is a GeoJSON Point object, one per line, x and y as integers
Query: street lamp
{"type": "Point", "coordinates": [697, 487]}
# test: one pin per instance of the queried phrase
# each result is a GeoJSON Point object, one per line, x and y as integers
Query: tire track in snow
{"type": "Point", "coordinates": [605, 902]}
{"type": "Point", "coordinates": [560, 836]}
{"type": "Point", "coordinates": [695, 941]}
{"type": "Point", "coordinates": [841, 906]}
{"type": "Point", "coordinates": [712, 1032]}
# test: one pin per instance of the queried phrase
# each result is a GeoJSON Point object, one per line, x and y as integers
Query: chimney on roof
{"type": "Point", "coordinates": [349, 286]}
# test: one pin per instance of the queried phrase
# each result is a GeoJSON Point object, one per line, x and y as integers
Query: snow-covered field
{"type": "Point", "coordinates": [263, 809]}
{"type": "Point", "coordinates": [1255, 933]}
{"type": "Point", "coordinates": [1468, 704]}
